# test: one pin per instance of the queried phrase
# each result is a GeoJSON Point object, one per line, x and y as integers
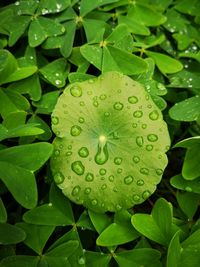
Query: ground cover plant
{"type": "Point", "coordinates": [99, 133]}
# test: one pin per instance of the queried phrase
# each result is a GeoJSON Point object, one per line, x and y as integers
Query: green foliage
{"type": "Point", "coordinates": [74, 127]}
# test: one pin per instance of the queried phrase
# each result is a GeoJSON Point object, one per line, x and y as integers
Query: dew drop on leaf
{"type": "Point", "coordinates": [102, 152]}
{"type": "Point", "coordinates": [136, 197]}
{"type": "Point", "coordinates": [81, 260]}
{"type": "Point", "coordinates": [118, 106]}
{"type": "Point", "coordinates": [111, 178]}
{"type": "Point", "coordinates": [102, 171]}
{"type": "Point", "coordinates": [140, 182]}
{"type": "Point", "coordinates": [159, 171]}
{"type": "Point", "coordinates": [104, 186]}
{"type": "Point", "coordinates": [68, 153]}
{"type": "Point", "coordinates": [188, 189]}
{"type": "Point", "coordinates": [76, 190]}
{"type": "Point", "coordinates": [149, 147]}
{"type": "Point", "coordinates": [138, 114]}
{"type": "Point", "coordinates": [55, 120]}
{"type": "Point", "coordinates": [57, 152]}
{"type": "Point", "coordinates": [117, 160]}
{"type": "Point", "coordinates": [59, 178]}
{"type": "Point", "coordinates": [103, 97]}
{"type": "Point", "coordinates": [139, 141]}
{"type": "Point", "coordinates": [81, 120]}
{"type": "Point", "coordinates": [132, 99]}
{"type": "Point", "coordinates": [146, 194]}
{"type": "Point", "coordinates": [118, 207]}
{"type": "Point", "coordinates": [83, 152]}
{"type": "Point", "coordinates": [128, 179]}
{"type": "Point", "coordinates": [78, 167]}
{"type": "Point", "coordinates": [152, 137]}
{"type": "Point", "coordinates": [75, 130]}
{"type": "Point", "coordinates": [154, 115]}
{"type": "Point", "coordinates": [144, 171]}
{"type": "Point", "coordinates": [136, 159]}
{"type": "Point", "coordinates": [89, 177]}
{"type": "Point", "coordinates": [87, 190]}
{"type": "Point", "coordinates": [76, 91]}
{"type": "Point", "coordinates": [94, 202]}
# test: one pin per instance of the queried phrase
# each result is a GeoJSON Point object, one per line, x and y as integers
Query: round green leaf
{"type": "Point", "coordinates": [110, 145]}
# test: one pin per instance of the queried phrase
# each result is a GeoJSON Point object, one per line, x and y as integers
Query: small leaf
{"type": "Point", "coordinates": [186, 110]}
{"type": "Point", "coordinates": [165, 63]}
{"type": "Point", "coordinates": [10, 234]}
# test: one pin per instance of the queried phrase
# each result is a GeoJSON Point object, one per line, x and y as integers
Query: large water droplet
{"type": "Point", "coordinates": [152, 137]}
{"type": "Point", "coordinates": [87, 190]}
{"type": "Point", "coordinates": [76, 190]}
{"type": "Point", "coordinates": [118, 106]}
{"type": "Point", "coordinates": [111, 178]}
{"type": "Point", "coordinates": [132, 99]}
{"type": "Point", "coordinates": [76, 91]}
{"type": "Point", "coordinates": [117, 160]}
{"type": "Point", "coordinates": [83, 152]}
{"type": "Point", "coordinates": [128, 179]}
{"type": "Point", "coordinates": [139, 141]}
{"type": "Point", "coordinates": [140, 182]}
{"type": "Point", "coordinates": [136, 159]}
{"type": "Point", "coordinates": [94, 202]}
{"type": "Point", "coordinates": [138, 114]}
{"type": "Point", "coordinates": [59, 178]}
{"type": "Point", "coordinates": [55, 120]}
{"type": "Point", "coordinates": [102, 151]}
{"type": "Point", "coordinates": [102, 171]}
{"type": "Point", "coordinates": [154, 115]}
{"type": "Point", "coordinates": [75, 130]}
{"type": "Point", "coordinates": [144, 171]}
{"type": "Point", "coordinates": [78, 167]}
{"type": "Point", "coordinates": [89, 177]}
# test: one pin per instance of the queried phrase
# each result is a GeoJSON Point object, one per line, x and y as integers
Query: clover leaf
{"type": "Point", "coordinates": [110, 145]}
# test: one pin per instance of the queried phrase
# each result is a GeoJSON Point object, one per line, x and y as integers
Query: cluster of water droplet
{"type": "Point", "coordinates": [106, 142]}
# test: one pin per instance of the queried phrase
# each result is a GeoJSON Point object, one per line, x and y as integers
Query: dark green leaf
{"type": "Point", "coordinates": [10, 234]}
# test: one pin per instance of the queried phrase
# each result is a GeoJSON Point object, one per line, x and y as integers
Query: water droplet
{"type": "Point", "coordinates": [136, 197]}
{"type": "Point", "coordinates": [59, 178]}
{"type": "Point", "coordinates": [134, 125]}
{"type": "Point", "coordinates": [139, 141]}
{"type": "Point", "coordinates": [115, 135]}
{"type": "Point", "coordinates": [81, 120]}
{"type": "Point", "coordinates": [69, 147]}
{"type": "Point", "coordinates": [118, 161]}
{"type": "Point", "coordinates": [188, 189]}
{"type": "Point", "coordinates": [149, 147]}
{"type": "Point", "coordinates": [118, 106]}
{"type": "Point", "coordinates": [78, 167]}
{"type": "Point", "coordinates": [138, 114]}
{"type": "Point", "coordinates": [146, 194]}
{"type": "Point", "coordinates": [91, 81]}
{"type": "Point", "coordinates": [87, 190]}
{"type": "Point", "coordinates": [154, 115]}
{"type": "Point", "coordinates": [76, 91]}
{"type": "Point", "coordinates": [128, 179]}
{"type": "Point", "coordinates": [115, 189]}
{"type": "Point", "coordinates": [152, 137]}
{"type": "Point", "coordinates": [140, 182]}
{"type": "Point", "coordinates": [160, 86]}
{"type": "Point", "coordinates": [107, 114]}
{"type": "Point", "coordinates": [119, 170]}
{"type": "Point", "coordinates": [104, 186]}
{"type": "Point", "coordinates": [102, 152]}
{"type": "Point", "coordinates": [94, 202]}
{"type": "Point", "coordinates": [102, 97]}
{"type": "Point", "coordinates": [89, 92]}
{"type": "Point", "coordinates": [144, 126]}
{"type": "Point", "coordinates": [136, 159]}
{"type": "Point", "coordinates": [83, 152]}
{"type": "Point", "coordinates": [144, 171]}
{"type": "Point", "coordinates": [55, 120]}
{"type": "Point", "coordinates": [76, 190]}
{"type": "Point", "coordinates": [111, 178]}
{"type": "Point", "coordinates": [89, 177]}
{"type": "Point", "coordinates": [57, 152]}
{"type": "Point", "coordinates": [81, 260]}
{"type": "Point", "coordinates": [102, 171]}
{"type": "Point", "coordinates": [132, 99]}
{"type": "Point", "coordinates": [82, 103]}
{"type": "Point", "coordinates": [118, 207]}
{"type": "Point", "coordinates": [159, 171]}
{"type": "Point", "coordinates": [57, 82]}
{"type": "Point", "coordinates": [75, 130]}
{"type": "Point", "coordinates": [95, 103]}
{"type": "Point", "coordinates": [68, 153]}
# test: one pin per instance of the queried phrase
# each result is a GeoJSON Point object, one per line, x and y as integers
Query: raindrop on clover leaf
{"type": "Point", "coordinates": [59, 178]}
{"type": "Point", "coordinates": [132, 99]}
{"type": "Point", "coordinates": [76, 190]}
{"type": "Point", "coordinates": [76, 91]}
{"type": "Point", "coordinates": [75, 130]}
{"type": "Point", "coordinates": [78, 167]}
{"type": "Point", "coordinates": [89, 177]}
{"type": "Point", "coordinates": [83, 152]}
{"type": "Point", "coordinates": [128, 179]}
